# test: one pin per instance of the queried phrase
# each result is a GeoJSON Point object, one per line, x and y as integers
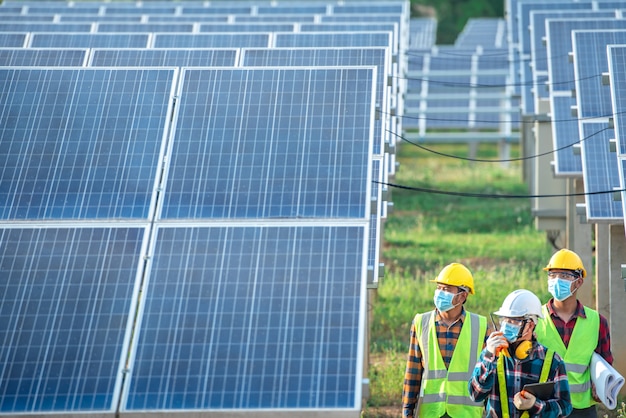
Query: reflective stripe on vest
{"type": "Point", "coordinates": [445, 391]}
{"type": "Point", "coordinates": [504, 397]}
{"type": "Point", "coordinates": [582, 343]}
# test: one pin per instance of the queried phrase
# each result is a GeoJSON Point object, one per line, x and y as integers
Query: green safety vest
{"type": "Point", "coordinates": [445, 391]}
{"type": "Point", "coordinates": [504, 397]}
{"type": "Point", "coordinates": [577, 360]}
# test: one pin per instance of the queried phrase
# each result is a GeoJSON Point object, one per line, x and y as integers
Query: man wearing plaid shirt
{"type": "Point", "coordinates": [512, 359]}
{"type": "Point", "coordinates": [444, 347]}
{"type": "Point", "coordinates": [573, 330]}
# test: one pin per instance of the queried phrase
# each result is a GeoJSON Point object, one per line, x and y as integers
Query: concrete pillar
{"type": "Point", "coordinates": [603, 270]}
{"type": "Point", "coordinates": [617, 317]}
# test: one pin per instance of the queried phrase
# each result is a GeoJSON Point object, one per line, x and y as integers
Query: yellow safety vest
{"type": "Point", "coordinates": [582, 343]}
{"type": "Point", "coordinates": [445, 391]}
{"type": "Point", "coordinates": [504, 397]}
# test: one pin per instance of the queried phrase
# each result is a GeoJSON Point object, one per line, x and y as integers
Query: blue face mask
{"type": "Point", "coordinates": [560, 288]}
{"type": "Point", "coordinates": [510, 331]}
{"type": "Point", "coordinates": [443, 300]}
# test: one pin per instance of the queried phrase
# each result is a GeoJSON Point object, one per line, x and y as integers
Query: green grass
{"type": "Point", "coordinates": [494, 237]}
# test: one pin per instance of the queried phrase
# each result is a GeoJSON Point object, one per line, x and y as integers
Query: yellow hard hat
{"type": "Point", "coordinates": [567, 260]}
{"type": "Point", "coordinates": [456, 274]}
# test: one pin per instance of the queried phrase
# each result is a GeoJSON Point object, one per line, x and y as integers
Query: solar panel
{"type": "Point", "coordinates": [559, 40]}
{"type": "Point", "coordinates": [12, 40]}
{"type": "Point", "coordinates": [564, 135]}
{"type": "Point", "coordinates": [600, 172]}
{"type": "Point", "coordinates": [251, 317]}
{"type": "Point", "coordinates": [45, 27]}
{"type": "Point", "coordinates": [617, 66]}
{"type": "Point", "coordinates": [144, 27]}
{"type": "Point", "coordinates": [291, 143]}
{"type": "Point", "coordinates": [539, 53]}
{"type": "Point", "coordinates": [211, 40]}
{"type": "Point", "coordinates": [326, 39]}
{"type": "Point", "coordinates": [246, 27]}
{"type": "Point", "coordinates": [89, 152]}
{"type": "Point", "coordinates": [25, 18]}
{"type": "Point", "coordinates": [89, 40]}
{"type": "Point", "coordinates": [98, 18]}
{"type": "Point", "coordinates": [15, 57]}
{"type": "Point", "coordinates": [154, 57]}
{"type": "Point", "coordinates": [590, 62]}
{"type": "Point", "coordinates": [307, 57]}
{"type": "Point", "coordinates": [67, 296]}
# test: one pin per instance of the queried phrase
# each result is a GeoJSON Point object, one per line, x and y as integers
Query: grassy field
{"type": "Point", "coordinates": [493, 236]}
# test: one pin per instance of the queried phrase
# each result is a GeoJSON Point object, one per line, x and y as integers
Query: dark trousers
{"type": "Point", "coordinates": [584, 413]}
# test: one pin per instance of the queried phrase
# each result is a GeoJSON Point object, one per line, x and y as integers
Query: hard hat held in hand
{"type": "Point", "coordinates": [456, 274]}
{"type": "Point", "coordinates": [566, 260]}
{"type": "Point", "coordinates": [521, 303]}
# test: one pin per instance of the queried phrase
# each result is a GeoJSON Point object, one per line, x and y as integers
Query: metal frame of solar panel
{"type": "Point", "coordinates": [561, 83]}
{"type": "Point", "coordinates": [617, 63]}
{"type": "Point", "coordinates": [594, 109]}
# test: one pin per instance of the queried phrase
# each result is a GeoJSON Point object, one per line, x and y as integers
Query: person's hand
{"type": "Point", "coordinates": [594, 394]}
{"type": "Point", "coordinates": [524, 400]}
{"type": "Point", "coordinates": [496, 342]}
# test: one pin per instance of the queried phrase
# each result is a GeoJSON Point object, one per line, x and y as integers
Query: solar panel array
{"type": "Point", "coordinates": [192, 203]}
{"type": "Point", "coordinates": [462, 87]}
{"type": "Point", "coordinates": [561, 47]}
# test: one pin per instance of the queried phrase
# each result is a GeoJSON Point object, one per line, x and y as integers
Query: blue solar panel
{"type": "Point", "coordinates": [190, 18]}
{"type": "Point", "coordinates": [12, 40]}
{"type": "Point", "coordinates": [45, 27]}
{"type": "Point", "coordinates": [86, 152]}
{"type": "Point", "coordinates": [600, 172]}
{"type": "Point", "coordinates": [216, 8]}
{"type": "Point", "coordinates": [564, 134]}
{"type": "Point", "coordinates": [26, 57]}
{"type": "Point", "coordinates": [89, 40]}
{"type": "Point", "coordinates": [289, 143]}
{"type": "Point", "coordinates": [294, 8]}
{"type": "Point", "coordinates": [246, 27]}
{"type": "Point", "coordinates": [145, 27]}
{"type": "Point", "coordinates": [66, 298]}
{"type": "Point", "coordinates": [94, 18]}
{"type": "Point", "coordinates": [154, 57]}
{"type": "Point", "coordinates": [288, 57]}
{"type": "Point", "coordinates": [617, 67]}
{"type": "Point", "coordinates": [559, 39]}
{"type": "Point", "coordinates": [211, 40]}
{"type": "Point", "coordinates": [244, 317]}
{"type": "Point", "coordinates": [25, 18]}
{"type": "Point", "coordinates": [274, 18]}
{"type": "Point", "coordinates": [590, 61]}
{"type": "Point", "coordinates": [326, 39]}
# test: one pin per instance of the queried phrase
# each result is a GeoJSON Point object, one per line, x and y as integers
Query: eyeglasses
{"type": "Point", "coordinates": [512, 321]}
{"type": "Point", "coordinates": [562, 275]}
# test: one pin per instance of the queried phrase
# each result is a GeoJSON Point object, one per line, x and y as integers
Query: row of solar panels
{"type": "Point", "coordinates": [562, 56]}
{"type": "Point", "coordinates": [180, 237]}
{"type": "Point", "coordinates": [462, 87]}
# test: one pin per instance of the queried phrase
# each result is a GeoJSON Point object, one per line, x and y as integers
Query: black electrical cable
{"type": "Point", "coordinates": [480, 160]}
{"type": "Point", "coordinates": [493, 196]}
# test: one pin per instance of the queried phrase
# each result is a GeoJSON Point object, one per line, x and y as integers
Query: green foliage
{"type": "Point", "coordinates": [453, 14]}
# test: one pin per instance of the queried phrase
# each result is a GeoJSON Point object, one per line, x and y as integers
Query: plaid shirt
{"type": "Point", "coordinates": [484, 384]}
{"type": "Point", "coordinates": [447, 336]}
{"type": "Point", "coordinates": [565, 330]}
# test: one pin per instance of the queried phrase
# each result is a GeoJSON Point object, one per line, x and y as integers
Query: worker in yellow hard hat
{"type": "Point", "coordinates": [573, 330]}
{"type": "Point", "coordinates": [444, 346]}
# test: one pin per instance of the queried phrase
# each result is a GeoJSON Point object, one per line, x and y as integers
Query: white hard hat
{"type": "Point", "coordinates": [521, 303]}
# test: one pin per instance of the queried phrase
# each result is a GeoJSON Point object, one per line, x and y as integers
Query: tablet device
{"type": "Point", "coordinates": [542, 391]}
